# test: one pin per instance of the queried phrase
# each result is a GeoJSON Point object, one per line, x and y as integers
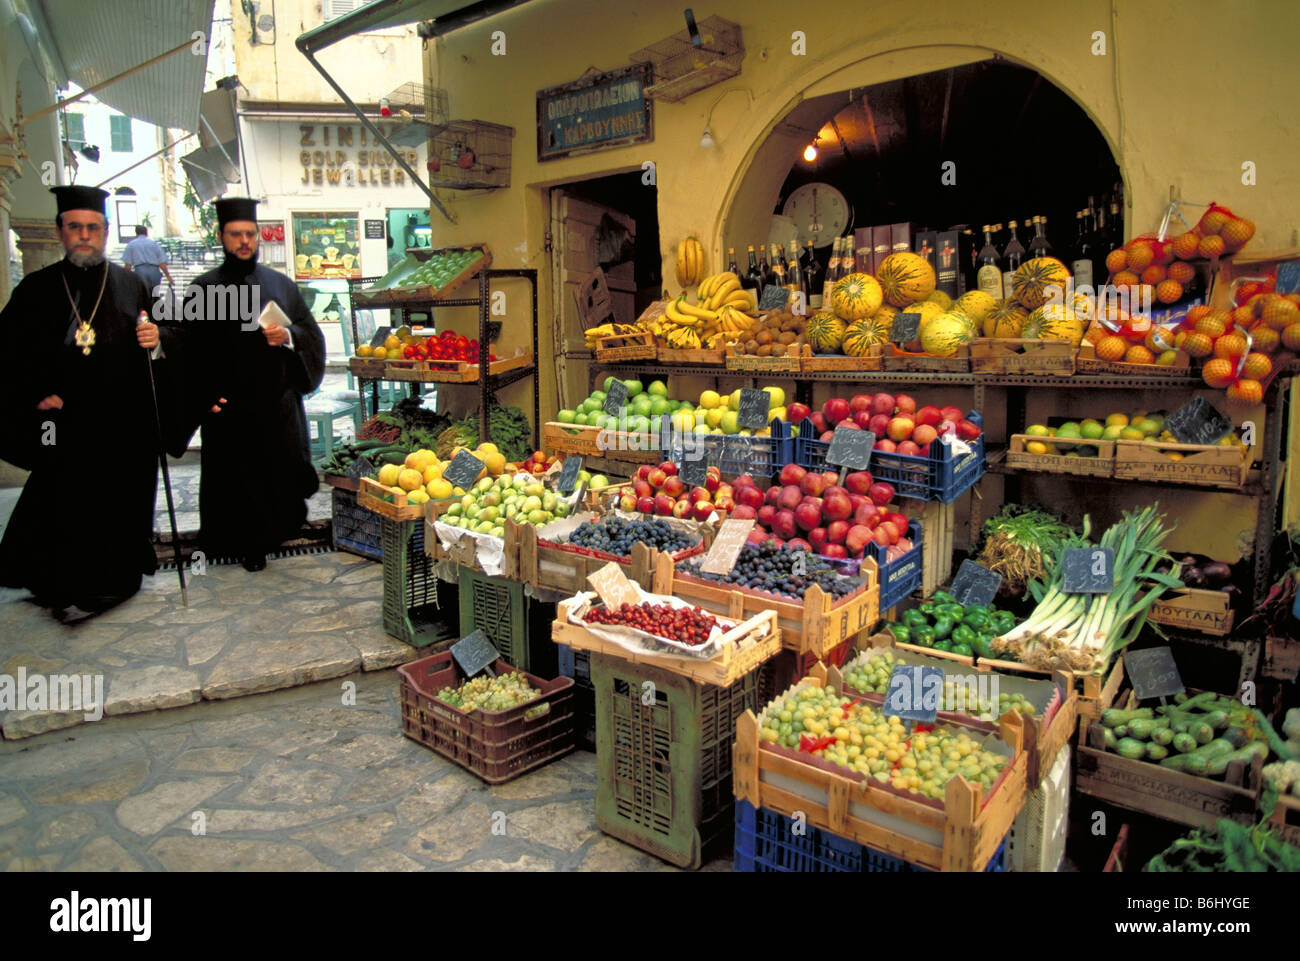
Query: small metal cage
{"type": "Point", "coordinates": [682, 69]}
{"type": "Point", "coordinates": [470, 155]}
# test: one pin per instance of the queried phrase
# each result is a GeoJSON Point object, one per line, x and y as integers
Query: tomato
{"type": "Point", "coordinates": [408, 352]}
{"type": "Point", "coordinates": [462, 342]}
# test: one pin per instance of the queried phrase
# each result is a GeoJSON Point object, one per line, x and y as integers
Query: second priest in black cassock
{"type": "Point", "coordinates": [251, 379]}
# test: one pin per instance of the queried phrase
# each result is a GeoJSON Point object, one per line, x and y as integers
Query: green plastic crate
{"type": "Point", "coordinates": [412, 613]}
{"type": "Point", "coordinates": [664, 782]}
{"type": "Point", "coordinates": [519, 628]}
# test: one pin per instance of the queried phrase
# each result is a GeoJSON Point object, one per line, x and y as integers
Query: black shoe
{"type": "Point", "coordinates": [254, 563]}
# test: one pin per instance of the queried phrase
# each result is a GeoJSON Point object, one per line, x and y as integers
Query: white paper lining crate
{"type": "Point", "coordinates": [1037, 838]}
{"type": "Point", "coordinates": [682, 69]}
{"type": "Point", "coordinates": [470, 155]}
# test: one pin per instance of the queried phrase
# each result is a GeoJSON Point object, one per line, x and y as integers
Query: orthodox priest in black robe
{"type": "Point", "coordinates": [257, 468]}
{"type": "Point", "coordinates": [77, 410]}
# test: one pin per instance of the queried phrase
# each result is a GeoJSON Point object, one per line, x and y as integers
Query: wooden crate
{"type": "Point", "coordinates": [546, 565]}
{"type": "Point", "coordinates": [874, 360]}
{"type": "Point", "coordinates": [814, 626]}
{"type": "Point", "coordinates": [747, 645]}
{"type": "Point", "coordinates": [1205, 465]}
{"type": "Point", "coordinates": [589, 442]}
{"type": "Point", "coordinates": [992, 355]}
{"type": "Point", "coordinates": [1281, 658]}
{"type": "Point", "coordinates": [1103, 465]}
{"type": "Point", "coordinates": [367, 367]}
{"type": "Point", "coordinates": [387, 502]}
{"type": "Point", "coordinates": [1118, 853]}
{"type": "Point", "coordinates": [1087, 363]}
{"type": "Point", "coordinates": [342, 482]}
{"type": "Point", "coordinates": [960, 834]}
{"type": "Point", "coordinates": [1208, 612]}
{"type": "Point", "coordinates": [1286, 819]}
{"type": "Point", "coordinates": [620, 348]}
{"type": "Point", "coordinates": [402, 296]}
{"type": "Point", "coordinates": [939, 525]}
{"type": "Point", "coordinates": [454, 371]}
{"type": "Point", "coordinates": [716, 356]}
{"type": "Point", "coordinates": [902, 360]}
{"type": "Point", "coordinates": [463, 550]}
{"type": "Point", "coordinates": [1096, 692]}
{"type": "Point", "coordinates": [762, 365]}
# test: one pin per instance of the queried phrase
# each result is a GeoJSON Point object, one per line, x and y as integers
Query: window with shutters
{"type": "Point", "coordinates": [119, 131]}
{"type": "Point", "coordinates": [74, 130]}
{"type": "Point", "coordinates": [333, 9]}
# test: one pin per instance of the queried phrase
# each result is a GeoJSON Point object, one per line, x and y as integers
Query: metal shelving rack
{"type": "Point", "coordinates": [487, 384]}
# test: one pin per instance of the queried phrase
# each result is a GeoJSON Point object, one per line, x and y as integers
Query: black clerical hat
{"type": "Point", "coordinates": [235, 208]}
{"type": "Point", "coordinates": [81, 198]}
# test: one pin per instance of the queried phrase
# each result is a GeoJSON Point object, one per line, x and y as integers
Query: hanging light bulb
{"type": "Point", "coordinates": [810, 152]}
{"type": "Point", "coordinates": [706, 141]}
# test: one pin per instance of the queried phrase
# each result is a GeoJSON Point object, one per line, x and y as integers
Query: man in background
{"type": "Point", "coordinates": [147, 258]}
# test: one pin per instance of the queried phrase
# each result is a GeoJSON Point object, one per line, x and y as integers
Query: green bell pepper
{"type": "Point", "coordinates": [928, 608]}
{"type": "Point", "coordinates": [943, 645]}
{"type": "Point", "coordinates": [982, 646]}
{"type": "Point", "coordinates": [952, 611]}
{"type": "Point", "coordinates": [963, 634]}
{"type": "Point", "coordinates": [923, 636]}
{"type": "Point", "coordinates": [942, 628]}
{"type": "Point", "coordinates": [902, 633]}
{"type": "Point", "coordinates": [1003, 621]}
{"type": "Point", "coordinates": [942, 597]}
{"type": "Point", "coordinates": [914, 618]}
{"type": "Point", "coordinates": [962, 649]}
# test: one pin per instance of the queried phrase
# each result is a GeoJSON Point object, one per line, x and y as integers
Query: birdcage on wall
{"type": "Point", "coordinates": [682, 68]}
{"type": "Point", "coordinates": [470, 155]}
{"type": "Point", "coordinates": [414, 110]}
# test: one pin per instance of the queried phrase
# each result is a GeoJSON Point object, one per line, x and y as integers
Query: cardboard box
{"type": "Point", "coordinates": [948, 264]}
{"type": "Point", "coordinates": [862, 250]}
{"type": "Point", "coordinates": [880, 245]}
{"type": "Point", "coordinates": [925, 244]}
{"type": "Point", "coordinates": [900, 238]}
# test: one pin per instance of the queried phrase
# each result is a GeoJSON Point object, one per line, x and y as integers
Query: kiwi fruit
{"type": "Point", "coordinates": [778, 350]}
{"type": "Point", "coordinates": [763, 337]}
{"type": "Point", "coordinates": [751, 346]}
{"type": "Point", "coordinates": [764, 350]}
{"type": "Point", "coordinates": [787, 337]}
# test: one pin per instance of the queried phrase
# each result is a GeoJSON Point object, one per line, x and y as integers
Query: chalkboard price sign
{"type": "Point", "coordinates": [361, 467]}
{"type": "Point", "coordinates": [726, 547]}
{"type": "Point", "coordinates": [737, 455]}
{"type": "Point", "coordinates": [851, 448]}
{"type": "Point", "coordinates": [1089, 570]}
{"type": "Point", "coordinates": [906, 327]}
{"type": "Point", "coordinates": [774, 298]}
{"type": "Point", "coordinates": [381, 335]}
{"type": "Point", "coordinates": [694, 469]}
{"type": "Point", "coordinates": [913, 693]}
{"type": "Point", "coordinates": [615, 398]}
{"type": "Point", "coordinates": [1198, 422]}
{"type": "Point", "coordinates": [1288, 278]}
{"type": "Point", "coordinates": [975, 584]}
{"type": "Point", "coordinates": [568, 474]}
{"type": "Point", "coordinates": [1153, 673]}
{"type": "Point", "coordinates": [475, 652]}
{"type": "Point", "coordinates": [754, 407]}
{"type": "Point", "coordinates": [463, 470]}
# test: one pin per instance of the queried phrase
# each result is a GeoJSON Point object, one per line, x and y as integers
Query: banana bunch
{"type": "Point", "coordinates": [594, 334]}
{"type": "Point", "coordinates": [683, 324]}
{"type": "Point", "coordinates": [690, 262]}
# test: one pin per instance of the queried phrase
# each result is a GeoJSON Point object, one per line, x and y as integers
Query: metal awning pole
{"type": "Point", "coordinates": [104, 83]}
{"type": "Point", "coordinates": [145, 159]}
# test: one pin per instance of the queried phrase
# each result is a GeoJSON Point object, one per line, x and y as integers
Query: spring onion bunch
{"type": "Point", "coordinates": [1082, 632]}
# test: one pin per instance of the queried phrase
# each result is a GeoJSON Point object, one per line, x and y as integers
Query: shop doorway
{"type": "Point", "coordinates": [610, 222]}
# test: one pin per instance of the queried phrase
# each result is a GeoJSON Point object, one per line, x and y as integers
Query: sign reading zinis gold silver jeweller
{"type": "Point", "coordinates": [595, 112]}
{"type": "Point", "coordinates": [345, 156]}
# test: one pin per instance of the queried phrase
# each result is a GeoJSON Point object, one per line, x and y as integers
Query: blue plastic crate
{"type": "Point", "coordinates": [761, 457]}
{"type": "Point", "coordinates": [903, 576]}
{"type": "Point", "coordinates": [765, 841]}
{"type": "Point", "coordinates": [356, 529]}
{"type": "Point", "coordinates": [940, 476]}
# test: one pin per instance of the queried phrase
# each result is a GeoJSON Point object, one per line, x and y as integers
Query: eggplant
{"type": "Point", "coordinates": [1192, 577]}
{"type": "Point", "coordinates": [1217, 573]}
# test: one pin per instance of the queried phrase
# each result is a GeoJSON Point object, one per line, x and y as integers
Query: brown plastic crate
{"type": "Point", "coordinates": [497, 746]}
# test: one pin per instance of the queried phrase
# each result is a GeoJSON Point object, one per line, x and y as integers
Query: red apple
{"type": "Point", "coordinates": [881, 536]}
{"type": "Point", "coordinates": [858, 481]}
{"type": "Point", "coordinates": [627, 503]}
{"type": "Point", "coordinates": [750, 496]}
{"type": "Point", "coordinates": [757, 536]}
{"type": "Point", "coordinates": [900, 428]}
{"type": "Point", "coordinates": [683, 508]}
{"type": "Point", "coordinates": [812, 484]}
{"type": "Point", "coordinates": [836, 531]}
{"type": "Point", "coordinates": [905, 404]}
{"type": "Point", "coordinates": [833, 488]}
{"type": "Point", "coordinates": [724, 489]}
{"type": "Point", "coordinates": [765, 514]}
{"type": "Point", "coordinates": [702, 510]}
{"type": "Point", "coordinates": [891, 531]}
{"type": "Point", "coordinates": [863, 419]}
{"type": "Point", "coordinates": [790, 497]}
{"type": "Point", "coordinates": [642, 488]}
{"type": "Point", "coordinates": [744, 480]}
{"type": "Point", "coordinates": [866, 517]}
{"type": "Point", "coordinates": [657, 478]}
{"type": "Point", "coordinates": [835, 551]}
{"type": "Point", "coordinates": [714, 471]}
{"type": "Point", "coordinates": [886, 445]}
{"type": "Point", "coordinates": [967, 430]}
{"type": "Point", "coordinates": [783, 525]}
{"type": "Point", "coordinates": [673, 486]}
{"type": "Point", "coordinates": [923, 434]}
{"type": "Point", "coordinates": [663, 505]}
{"type": "Point", "coordinates": [831, 477]}
{"type": "Point", "coordinates": [773, 494]}
{"type": "Point", "coordinates": [859, 500]}
{"type": "Point", "coordinates": [643, 472]}
{"type": "Point", "coordinates": [860, 402]}
{"type": "Point", "coordinates": [827, 437]}
{"type": "Point", "coordinates": [712, 482]}
{"type": "Point", "coordinates": [929, 415]}
{"type": "Point", "coordinates": [668, 467]}
{"type": "Point", "coordinates": [899, 521]}
{"type": "Point", "coordinates": [792, 474]}
{"type": "Point", "coordinates": [857, 538]}
{"type": "Point", "coordinates": [924, 451]}
{"type": "Point", "coordinates": [817, 538]}
{"type": "Point", "coordinates": [744, 512]}
{"type": "Point", "coordinates": [837, 507]}
{"type": "Point", "coordinates": [808, 515]}
{"type": "Point", "coordinates": [881, 493]}
{"type": "Point", "coordinates": [908, 448]}
{"type": "Point", "coordinates": [835, 410]}
{"type": "Point", "coordinates": [797, 412]}
{"type": "Point", "coordinates": [953, 414]}
{"type": "Point", "coordinates": [725, 503]}
{"type": "Point", "coordinates": [700, 494]}
{"type": "Point", "coordinates": [882, 404]}
{"type": "Point", "coordinates": [646, 505]}
{"type": "Point", "coordinates": [818, 421]}
{"type": "Point", "coordinates": [799, 544]}
{"type": "Point", "coordinates": [879, 424]}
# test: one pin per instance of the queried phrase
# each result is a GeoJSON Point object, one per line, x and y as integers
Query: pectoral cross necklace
{"type": "Point", "coordinates": [85, 335]}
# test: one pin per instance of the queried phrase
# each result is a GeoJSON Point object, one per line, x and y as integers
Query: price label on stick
{"type": "Point", "coordinates": [1089, 570]}
{"type": "Point", "coordinates": [754, 407]}
{"type": "Point", "coordinates": [913, 693]}
{"type": "Point", "coordinates": [851, 448]}
{"type": "Point", "coordinates": [568, 474]}
{"type": "Point", "coordinates": [475, 652]}
{"type": "Point", "coordinates": [613, 587]}
{"type": "Point", "coordinates": [975, 584]}
{"type": "Point", "coordinates": [906, 328]}
{"type": "Point", "coordinates": [726, 547]}
{"type": "Point", "coordinates": [1153, 673]}
{"type": "Point", "coordinates": [361, 467]}
{"type": "Point", "coordinates": [1198, 422]}
{"type": "Point", "coordinates": [463, 470]}
{"type": "Point", "coordinates": [615, 398]}
{"type": "Point", "coordinates": [694, 469]}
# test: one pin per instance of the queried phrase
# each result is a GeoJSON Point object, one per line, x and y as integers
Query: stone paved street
{"type": "Point", "coordinates": [293, 780]}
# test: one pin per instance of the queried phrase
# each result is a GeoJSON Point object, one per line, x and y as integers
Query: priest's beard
{"type": "Point", "coordinates": [85, 260]}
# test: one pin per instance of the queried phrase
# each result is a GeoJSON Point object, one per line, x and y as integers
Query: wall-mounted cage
{"type": "Point", "coordinates": [682, 69]}
{"type": "Point", "coordinates": [470, 155]}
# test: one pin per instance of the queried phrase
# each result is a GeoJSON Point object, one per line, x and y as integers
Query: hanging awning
{"type": "Point", "coordinates": [97, 41]}
{"type": "Point", "coordinates": [380, 14]}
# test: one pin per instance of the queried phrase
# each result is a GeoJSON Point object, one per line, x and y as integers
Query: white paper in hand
{"type": "Point", "coordinates": [272, 316]}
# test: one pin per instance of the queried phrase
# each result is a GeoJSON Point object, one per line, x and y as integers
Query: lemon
{"type": "Point", "coordinates": [409, 480]}
{"type": "Point", "coordinates": [1037, 430]}
{"type": "Point", "coordinates": [1036, 447]}
{"type": "Point", "coordinates": [392, 342]}
{"type": "Point", "coordinates": [438, 488]}
{"type": "Point", "coordinates": [1168, 358]}
{"type": "Point", "coordinates": [1174, 455]}
{"type": "Point", "coordinates": [365, 350]}
{"type": "Point", "coordinates": [487, 448]}
{"type": "Point", "coordinates": [433, 472]}
{"type": "Point", "coordinates": [417, 496]}
{"type": "Point", "coordinates": [710, 399]}
{"type": "Point", "coordinates": [388, 475]}
{"type": "Point", "coordinates": [1117, 420]}
{"type": "Point", "coordinates": [379, 353]}
{"type": "Point", "coordinates": [1112, 432]}
{"type": "Point", "coordinates": [495, 462]}
{"type": "Point", "coordinates": [1131, 433]}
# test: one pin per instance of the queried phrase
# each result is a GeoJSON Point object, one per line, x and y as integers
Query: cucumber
{"type": "Point", "coordinates": [398, 458]}
{"type": "Point", "coordinates": [1157, 752]}
{"type": "Point", "coordinates": [371, 444]}
{"type": "Point", "coordinates": [1130, 748]}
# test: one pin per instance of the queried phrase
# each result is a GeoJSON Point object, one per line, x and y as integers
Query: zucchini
{"type": "Point", "coordinates": [1163, 736]}
{"type": "Point", "coordinates": [1130, 748]}
{"type": "Point", "coordinates": [1144, 728]}
{"type": "Point", "coordinates": [1218, 765]}
{"type": "Point", "coordinates": [1109, 739]}
{"type": "Point", "coordinates": [399, 458]}
{"type": "Point", "coordinates": [1216, 719]}
{"type": "Point", "coordinates": [1157, 752]}
{"type": "Point", "coordinates": [1203, 732]}
{"type": "Point", "coordinates": [1184, 743]}
{"type": "Point", "coordinates": [1113, 717]}
{"type": "Point", "coordinates": [1121, 731]}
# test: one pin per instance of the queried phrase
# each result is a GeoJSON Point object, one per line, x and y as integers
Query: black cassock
{"type": "Point", "coordinates": [83, 527]}
{"type": "Point", "coordinates": [257, 469]}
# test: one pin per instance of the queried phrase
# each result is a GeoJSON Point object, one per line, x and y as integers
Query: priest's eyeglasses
{"type": "Point", "coordinates": [93, 229]}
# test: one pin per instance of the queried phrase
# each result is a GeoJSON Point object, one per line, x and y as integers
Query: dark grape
{"type": "Point", "coordinates": [616, 535]}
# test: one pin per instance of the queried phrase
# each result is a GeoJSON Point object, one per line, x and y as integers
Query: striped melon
{"type": "Point", "coordinates": [884, 320]}
{"type": "Point", "coordinates": [861, 336]}
{"type": "Point", "coordinates": [905, 278]}
{"type": "Point", "coordinates": [855, 296]}
{"type": "Point", "coordinates": [975, 304]}
{"type": "Point", "coordinates": [928, 310]}
{"type": "Point", "coordinates": [945, 334]}
{"type": "Point", "coordinates": [1006, 319]}
{"type": "Point", "coordinates": [940, 298]}
{"type": "Point", "coordinates": [1033, 278]}
{"type": "Point", "coordinates": [1055, 321]}
{"type": "Point", "coordinates": [825, 333]}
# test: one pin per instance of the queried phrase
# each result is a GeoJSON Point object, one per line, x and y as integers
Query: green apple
{"type": "Point", "coordinates": [538, 517]}
{"type": "Point", "coordinates": [597, 481]}
{"type": "Point", "coordinates": [584, 477]}
{"type": "Point", "coordinates": [562, 509]}
{"type": "Point", "coordinates": [730, 422]}
{"type": "Point", "coordinates": [608, 380]}
{"type": "Point", "coordinates": [633, 387]}
{"type": "Point", "coordinates": [778, 396]}
{"type": "Point", "coordinates": [657, 387]}
{"type": "Point", "coordinates": [733, 402]}
{"type": "Point", "coordinates": [548, 501]}
{"type": "Point", "coordinates": [566, 416]}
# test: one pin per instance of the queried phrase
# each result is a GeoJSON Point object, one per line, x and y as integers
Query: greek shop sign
{"type": "Point", "coordinates": [594, 113]}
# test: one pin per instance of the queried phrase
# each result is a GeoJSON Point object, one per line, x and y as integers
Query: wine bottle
{"type": "Point", "coordinates": [1012, 257]}
{"type": "Point", "coordinates": [731, 261]}
{"type": "Point", "coordinates": [1039, 246]}
{"type": "Point", "coordinates": [777, 277]}
{"type": "Point", "coordinates": [1081, 265]}
{"type": "Point", "coordinates": [753, 276]}
{"type": "Point", "coordinates": [813, 277]}
{"type": "Point", "coordinates": [989, 271]}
